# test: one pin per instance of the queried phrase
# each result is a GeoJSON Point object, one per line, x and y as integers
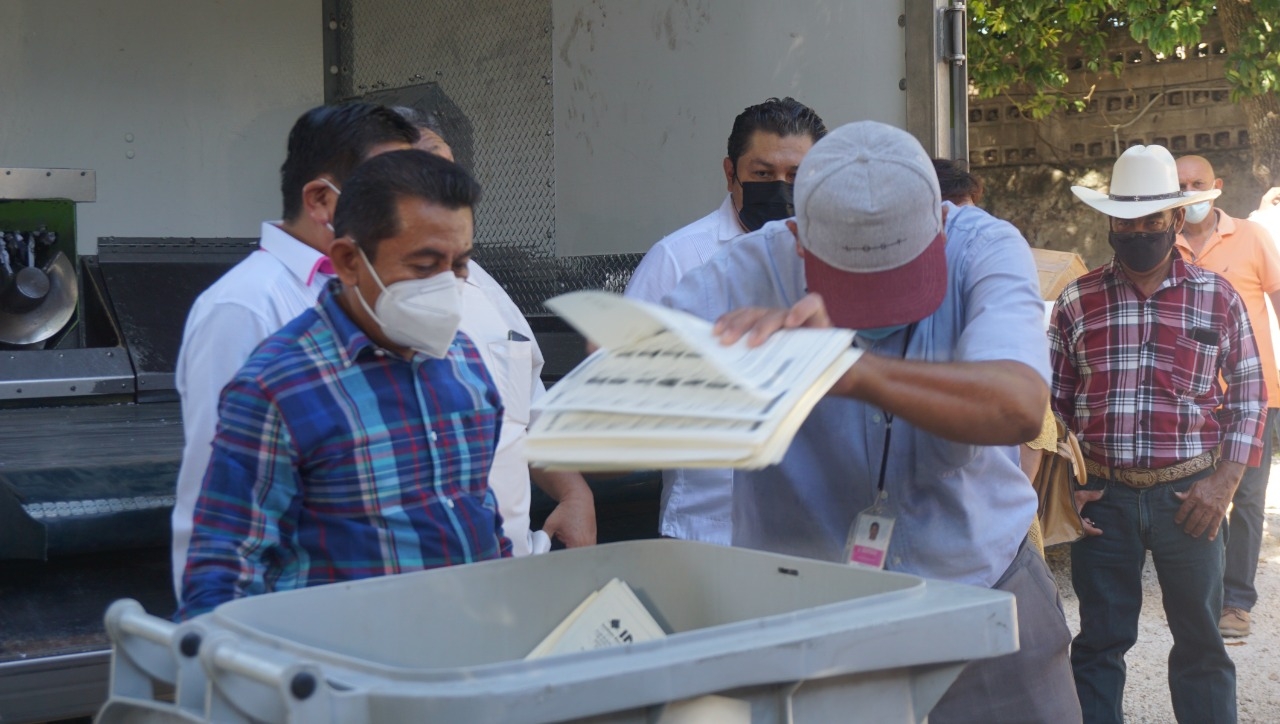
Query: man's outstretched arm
{"type": "Point", "coordinates": [997, 402]}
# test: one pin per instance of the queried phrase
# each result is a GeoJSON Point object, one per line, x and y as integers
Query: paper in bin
{"type": "Point", "coordinates": [611, 616]}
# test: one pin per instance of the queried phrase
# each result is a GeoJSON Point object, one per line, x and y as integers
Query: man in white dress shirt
{"type": "Point", "coordinates": [505, 341]}
{"type": "Point", "coordinates": [279, 281]}
{"type": "Point", "coordinates": [501, 333]}
{"type": "Point", "coordinates": [765, 148]}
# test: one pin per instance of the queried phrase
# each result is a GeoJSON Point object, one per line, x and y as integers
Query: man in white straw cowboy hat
{"type": "Point", "coordinates": [919, 437]}
{"type": "Point", "coordinates": [1138, 347]}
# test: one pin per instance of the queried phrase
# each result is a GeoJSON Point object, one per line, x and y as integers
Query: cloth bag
{"type": "Point", "coordinates": [1061, 470]}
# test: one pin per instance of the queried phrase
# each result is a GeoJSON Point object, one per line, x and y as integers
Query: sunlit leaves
{"type": "Point", "coordinates": [1031, 44]}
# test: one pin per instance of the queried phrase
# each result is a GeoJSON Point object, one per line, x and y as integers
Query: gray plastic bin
{"type": "Point", "coordinates": [799, 640]}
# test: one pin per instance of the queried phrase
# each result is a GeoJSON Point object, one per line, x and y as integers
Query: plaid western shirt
{"type": "Point", "coordinates": [1137, 380]}
{"type": "Point", "coordinates": [335, 460]}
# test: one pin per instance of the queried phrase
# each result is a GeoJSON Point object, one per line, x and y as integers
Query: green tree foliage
{"type": "Point", "coordinates": [1025, 45]}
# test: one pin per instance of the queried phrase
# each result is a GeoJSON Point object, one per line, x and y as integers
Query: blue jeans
{"type": "Point", "coordinates": [1245, 542]}
{"type": "Point", "coordinates": [1106, 572]}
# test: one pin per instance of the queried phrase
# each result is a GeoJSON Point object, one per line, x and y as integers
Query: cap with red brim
{"type": "Point", "coordinates": [886, 298]}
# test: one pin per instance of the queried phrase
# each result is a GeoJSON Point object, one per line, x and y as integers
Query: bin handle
{"type": "Point", "coordinates": [128, 617]}
{"type": "Point", "coordinates": [224, 654]}
{"type": "Point", "coordinates": [142, 649]}
{"type": "Point", "coordinates": [294, 691]}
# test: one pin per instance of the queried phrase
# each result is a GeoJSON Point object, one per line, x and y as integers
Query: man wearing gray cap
{"type": "Point", "coordinates": [920, 435]}
{"type": "Point", "coordinates": [1138, 348]}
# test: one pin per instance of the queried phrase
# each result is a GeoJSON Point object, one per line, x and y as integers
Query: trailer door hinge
{"type": "Point", "coordinates": [955, 44]}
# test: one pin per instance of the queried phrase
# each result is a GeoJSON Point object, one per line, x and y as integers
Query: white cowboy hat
{"type": "Point", "coordinates": [1144, 181]}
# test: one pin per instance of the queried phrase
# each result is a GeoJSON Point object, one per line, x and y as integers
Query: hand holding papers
{"type": "Point", "coordinates": [662, 392]}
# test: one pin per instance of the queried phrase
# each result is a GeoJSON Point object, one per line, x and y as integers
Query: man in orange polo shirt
{"type": "Point", "coordinates": [1241, 251]}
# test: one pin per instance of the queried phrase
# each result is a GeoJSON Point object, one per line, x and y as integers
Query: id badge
{"type": "Point", "coordinates": [869, 537]}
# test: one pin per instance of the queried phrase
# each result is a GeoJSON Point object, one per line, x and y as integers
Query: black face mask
{"type": "Point", "coordinates": [1142, 251]}
{"type": "Point", "coordinates": [765, 201]}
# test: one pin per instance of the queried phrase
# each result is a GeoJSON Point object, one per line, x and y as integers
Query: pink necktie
{"type": "Point", "coordinates": [322, 266]}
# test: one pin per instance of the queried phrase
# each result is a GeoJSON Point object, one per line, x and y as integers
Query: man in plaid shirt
{"type": "Point", "coordinates": [357, 440]}
{"type": "Point", "coordinates": [1138, 349]}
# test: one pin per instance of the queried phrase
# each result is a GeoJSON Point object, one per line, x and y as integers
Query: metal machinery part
{"type": "Point", "coordinates": [38, 302]}
{"type": "Point", "coordinates": [72, 184]}
{"type": "Point", "coordinates": [38, 290]}
{"type": "Point", "coordinates": [98, 474]}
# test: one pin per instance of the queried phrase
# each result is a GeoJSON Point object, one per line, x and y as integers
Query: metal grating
{"type": "Point", "coordinates": [485, 67]}
{"type": "Point", "coordinates": [97, 506]}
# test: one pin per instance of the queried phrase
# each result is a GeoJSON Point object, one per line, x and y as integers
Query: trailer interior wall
{"type": "Point", "coordinates": [646, 93]}
{"type": "Point", "coordinates": [182, 108]}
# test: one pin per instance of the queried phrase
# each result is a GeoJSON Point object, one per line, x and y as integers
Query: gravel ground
{"type": "Point", "coordinates": [1257, 656]}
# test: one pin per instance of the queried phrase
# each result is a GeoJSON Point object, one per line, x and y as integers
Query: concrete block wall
{"type": "Point", "coordinates": [1182, 103]}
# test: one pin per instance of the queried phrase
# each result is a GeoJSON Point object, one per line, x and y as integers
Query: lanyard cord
{"type": "Point", "coordinates": [888, 420]}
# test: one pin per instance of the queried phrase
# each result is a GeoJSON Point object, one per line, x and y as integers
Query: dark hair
{"type": "Point", "coordinates": [956, 183]}
{"type": "Point", "coordinates": [367, 209]}
{"type": "Point", "coordinates": [786, 117]}
{"type": "Point", "coordinates": [422, 119]}
{"type": "Point", "coordinates": [333, 140]}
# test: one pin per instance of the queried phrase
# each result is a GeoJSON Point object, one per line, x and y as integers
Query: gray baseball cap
{"type": "Point", "coordinates": [869, 215]}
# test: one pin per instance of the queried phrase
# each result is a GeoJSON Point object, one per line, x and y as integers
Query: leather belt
{"type": "Point", "coordinates": [1147, 477]}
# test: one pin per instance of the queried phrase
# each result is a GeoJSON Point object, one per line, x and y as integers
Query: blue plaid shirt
{"type": "Point", "coordinates": [335, 460]}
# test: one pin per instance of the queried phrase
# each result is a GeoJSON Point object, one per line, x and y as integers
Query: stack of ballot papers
{"type": "Point", "coordinates": [663, 392]}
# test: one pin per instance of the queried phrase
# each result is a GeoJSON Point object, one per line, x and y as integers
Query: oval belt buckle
{"type": "Point", "coordinates": [1142, 478]}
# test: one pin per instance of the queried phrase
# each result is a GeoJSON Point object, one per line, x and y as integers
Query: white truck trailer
{"type": "Point", "coordinates": [148, 135]}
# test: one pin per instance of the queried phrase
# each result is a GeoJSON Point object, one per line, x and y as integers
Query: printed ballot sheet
{"type": "Point", "coordinates": [610, 616]}
{"type": "Point", "coordinates": [663, 392]}
{"type": "Point", "coordinates": [632, 329]}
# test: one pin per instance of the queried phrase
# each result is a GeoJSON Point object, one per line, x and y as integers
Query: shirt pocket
{"type": "Point", "coordinates": [1194, 366]}
{"type": "Point", "coordinates": [512, 372]}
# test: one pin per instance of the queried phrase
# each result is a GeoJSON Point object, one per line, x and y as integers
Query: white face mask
{"type": "Point", "coordinates": [421, 314]}
{"type": "Point", "coordinates": [1198, 212]}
